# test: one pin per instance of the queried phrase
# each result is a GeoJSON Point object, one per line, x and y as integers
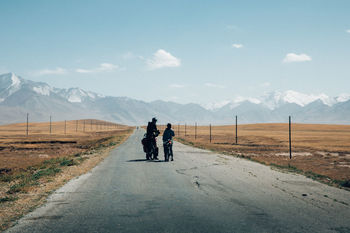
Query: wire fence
{"type": "Point", "coordinates": [320, 151]}
{"type": "Point", "coordinates": [66, 127]}
{"type": "Point", "coordinates": [282, 138]}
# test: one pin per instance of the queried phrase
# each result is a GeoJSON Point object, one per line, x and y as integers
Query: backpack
{"type": "Point", "coordinates": [144, 143]}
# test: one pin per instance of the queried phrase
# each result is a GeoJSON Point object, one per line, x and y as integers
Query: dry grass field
{"type": "Point", "coordinates": [319, 151]}
{"type": "Point", "coordinates": [18, 151]}
{"type": "Point", "coordinates": [34, 165]}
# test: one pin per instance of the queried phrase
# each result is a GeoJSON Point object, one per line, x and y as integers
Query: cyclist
{"type": "Point", "coordinates": [168, 135]}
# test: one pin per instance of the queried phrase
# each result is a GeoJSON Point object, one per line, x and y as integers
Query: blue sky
{"type": "Point", "coordinates": [184, 51]}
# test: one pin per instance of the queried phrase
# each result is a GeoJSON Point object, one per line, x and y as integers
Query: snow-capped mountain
{"type": "Point", "coordinates": [10, 84]}
{"type": "Point", "coordinates": [276, 99]}
{"type": "Point", "coordinates": [19, 96]}
{"type": "Point", "coordinates": [77, 95]}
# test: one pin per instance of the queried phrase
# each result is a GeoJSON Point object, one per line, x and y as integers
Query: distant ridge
{"type": "Point", "coordinates": [19, 96]}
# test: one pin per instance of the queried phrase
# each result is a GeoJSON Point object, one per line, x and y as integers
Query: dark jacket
{"type": "Point", "coordinates": [168, 134]}
{"type": "Point", "coordinates": [152, 130]}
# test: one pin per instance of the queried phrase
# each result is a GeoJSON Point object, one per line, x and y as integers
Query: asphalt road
{"type": "Point", "coordinates": [199, 192]}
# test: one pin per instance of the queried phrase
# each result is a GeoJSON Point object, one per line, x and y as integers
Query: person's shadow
{"type": "Point", "coordinates": [145, 160]}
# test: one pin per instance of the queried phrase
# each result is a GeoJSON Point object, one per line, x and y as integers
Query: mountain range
{"type": "Point", "coordinates": [20, 96]}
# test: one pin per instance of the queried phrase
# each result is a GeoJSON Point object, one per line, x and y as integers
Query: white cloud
{"type": "Point", "coordinates": [130, 55]}
{"type": "Point", "coordinates": [348, 31]}
{"type": "Point", "coordinates": [237, 46]}
{"type": "Point", "coordinates": [292, 57]}
{"type": "Point", "coordinates": [266, 84]}
{"type": "Point", "coordinates": [214, 85]}
{"type": "Point", "coordinates": [57, 71]}
{"type": "Point", "coordinates": [104, 67]}
{"type": "Point", "coordinates": [174, 85]}
{"type": "Point", "coordinates": [161, 59]}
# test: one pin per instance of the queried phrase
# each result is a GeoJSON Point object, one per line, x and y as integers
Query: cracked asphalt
{"type": "Point", "coordinates": [199, 192]}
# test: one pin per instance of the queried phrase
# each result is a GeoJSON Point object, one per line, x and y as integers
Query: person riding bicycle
{"type": "Point", "coordinates": [168, 135]}
{"type": "Point", "coordinates": [152, 133]}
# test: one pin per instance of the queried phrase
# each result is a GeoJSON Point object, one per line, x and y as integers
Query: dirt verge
{"type": "Point", "coordinates": [329, 167]}
{"type": "Point", "coordinates": [26, 185]}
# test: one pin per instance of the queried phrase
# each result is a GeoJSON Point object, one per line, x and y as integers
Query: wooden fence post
{"type": "Point", "coordinates": [290, 138]}
{"type": "Point", "coordinates": [210, 133]}
{"type": "Point", "coordinates": [236, 132]}
{"type": "Point", "coordinates": [195, 131]}
{"type": "Point", "coordinates": [27, 130]}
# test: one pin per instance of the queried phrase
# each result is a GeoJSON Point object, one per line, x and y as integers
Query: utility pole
{"type": "Point", "coordinates": [27, 131]}
{"type": "Point", "coordinates": [195, 131]}
{"type": "Point", "coordinates": [185, 129]}
{"type": "Point", "coordinates": [210, 133]}
{"type": "Point", "coordinates": [236, 132]}
{"type": "Point", "coordinates": [76, 126]}
{"type": "Point", "coordinates": [290, 138]}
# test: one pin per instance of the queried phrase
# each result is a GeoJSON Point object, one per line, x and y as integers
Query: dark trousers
{"type": "Point", "coordinates": [153, 143]}
{"type": "Point", "coordinates": [171, 150]}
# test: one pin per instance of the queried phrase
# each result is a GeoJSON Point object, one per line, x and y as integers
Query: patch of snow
{"type": "Point", "coordinates": [236, 102]}
{"type": "Point", "coordinates": [275, 99]}
{"type": "Point", "coordinates": [304, 99]}
{"type": "Point", "coordinates": [91, 95]}
{"type": "Point", "coordinates": [75, 95]}
{"type": "Point", "coordinates": [215, 105]}
{"type": "Point", "coordinates": [240, 99]}
{"type": "Point", "coordinates": [74, 99]}
{"type": "Point", "coordinates": [42, 90]}
{"type": "Point", "coordinates": [297, 98]}
{"type": "Point", "coordinates": [15, 84]}
{"type": "Point", "coordinates": [15, 80]}
{"type": "Point", "coordinates": [343, 98]}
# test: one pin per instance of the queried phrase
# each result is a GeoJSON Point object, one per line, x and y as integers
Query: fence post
{"type": "Point", "coordinates": [65, 126]}
{"type": "Point", "coordinates": [185, 129]}
{"type": "Point", "coordinates": [27, 130]}
{"type": "Point", "coordinates": [50, 124]}
{"type": "Point", "coordinates": [195, 131]}
{"type": "Point", "coordinates": [76, 126]}
{"type": "Point", "coordinates": [236, 131]}
{"type": "Point", "coordinates": [210, 133]}
{"type": "Point", "coordinates": [178, 129]}
{"type": "Point", "coordinates": [290, 138]}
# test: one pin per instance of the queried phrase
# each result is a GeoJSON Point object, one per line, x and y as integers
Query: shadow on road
{"type": "Point", "coordinates": [145, 160]}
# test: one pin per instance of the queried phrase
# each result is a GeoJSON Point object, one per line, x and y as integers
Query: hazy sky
{"type": "Point", "coordinates": [184, 51]}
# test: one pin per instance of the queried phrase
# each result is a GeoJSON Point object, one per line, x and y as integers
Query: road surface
{"type": "Point", "coordinates": [199, 192]}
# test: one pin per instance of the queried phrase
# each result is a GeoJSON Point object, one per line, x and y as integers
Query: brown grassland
{"type": "Point", "coordinates": [319, 151]}
{"type": "Point", "coordinates": [32, 166]}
